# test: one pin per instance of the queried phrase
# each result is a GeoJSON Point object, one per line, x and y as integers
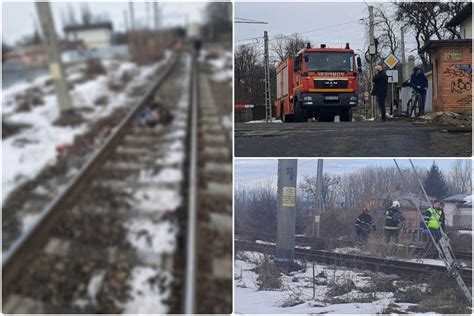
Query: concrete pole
{"type": "Point", "coordinates": [56, 67]}
{"type": "Point", "coordinates": [318, 209]}
{"type": "Point", "coordinates": [125, 21]}
{"type": "Point", "coordinates": [404, 73]}
{"type": "Point", "coordinates": [132, 16]}
{"type": "Point", "coordinates": [286, 210]}
{"type": "Point", "coordinates": [155, 15]}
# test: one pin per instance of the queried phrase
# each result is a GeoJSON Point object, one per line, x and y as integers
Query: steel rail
{"type": "Point", "coordinates": [359, 261]}
{"type": "Point", "coordinates": [190, 285]}
{"type": "Point", "coordinates": [18, 255]}
{"type": "Point", "coordinates": [321, 243]}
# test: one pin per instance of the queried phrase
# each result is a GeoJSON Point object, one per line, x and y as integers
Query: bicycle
{"type": "Point", "coordinates": [415, 102]}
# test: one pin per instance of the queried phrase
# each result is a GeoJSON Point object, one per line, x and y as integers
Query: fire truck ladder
{"type": "Point", "coordinates": [445, 251]}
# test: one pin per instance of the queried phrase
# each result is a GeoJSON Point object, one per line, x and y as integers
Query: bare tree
{"type": "Point", "coordinates": [427, 20]}
{"type": "Point", "coordinates": [460, 177]}
{"type": "Point", "coordinates": [386, 28]}
{"type": "Point", "coordinates": [286, 46]}
{"type": "Point", "coordinates": [249, 75]}
{"type": "Point", "coordinates": [86, 14]}
{"type": "Point", "coordinates": [218, 17]}
{"type": "Point", "coordinates": [71, 17]}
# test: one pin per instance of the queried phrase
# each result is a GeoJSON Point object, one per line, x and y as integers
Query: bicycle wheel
{"type": "Point", "coordinates": [417, 106]}
{"type": "Point", "coordinates": [409, 108]}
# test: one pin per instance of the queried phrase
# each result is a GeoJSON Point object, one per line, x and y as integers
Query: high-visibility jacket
{"type": "Point", "coordinates": [392, 218]}
{"type": "Point", "coordinates": [434, 218]}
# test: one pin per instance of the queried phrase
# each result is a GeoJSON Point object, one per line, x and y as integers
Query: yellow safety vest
{"type": "Point", "coordinates": [433, 222]}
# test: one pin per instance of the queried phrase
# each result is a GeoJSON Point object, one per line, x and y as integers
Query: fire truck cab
{"type": "Point", "coordinates": [318, 82]}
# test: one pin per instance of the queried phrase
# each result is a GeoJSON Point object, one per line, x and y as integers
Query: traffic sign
{"type": "Point", "coordinates": [391, 61]}
{"type": "Point", "coordinates": [392, 76]}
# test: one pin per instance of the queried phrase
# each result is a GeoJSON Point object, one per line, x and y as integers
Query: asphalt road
{"type": "Point", "coordinates": [351, 139]}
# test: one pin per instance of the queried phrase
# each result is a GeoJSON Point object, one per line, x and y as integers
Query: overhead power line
{"type": "Point", "coordinates": [305, 32]}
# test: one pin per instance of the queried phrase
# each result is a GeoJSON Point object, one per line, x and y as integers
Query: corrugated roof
{"type": "Point", "coordinates": [91, 26]}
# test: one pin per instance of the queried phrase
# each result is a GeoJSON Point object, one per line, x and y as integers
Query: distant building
{"type": "Point", "coordinates": [458, 210]}
{"type": "Point", "coordinates": [93, 35]}
{"type": "Point", "coordinates": [31, 56]}
{"type": "Point", "coordinates": [452, 67]}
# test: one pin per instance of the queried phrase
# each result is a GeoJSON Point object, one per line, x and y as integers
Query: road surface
{"type": "Point", "coordinates": [351, 139]}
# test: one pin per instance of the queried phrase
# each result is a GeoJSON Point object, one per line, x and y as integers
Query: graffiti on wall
{"type": "Point", "coordinates": [460, 81]}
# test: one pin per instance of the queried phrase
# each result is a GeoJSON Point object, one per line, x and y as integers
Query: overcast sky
{"type": "Point", "coordinates": [287, 18]}
{"type": "Point", "coordinates": [253, 171]}
{"type": "Point", "coordinates": [18, 18]}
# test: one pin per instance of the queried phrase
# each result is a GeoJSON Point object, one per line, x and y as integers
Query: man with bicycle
{"type": "Point", "coordinates": [419, 83]}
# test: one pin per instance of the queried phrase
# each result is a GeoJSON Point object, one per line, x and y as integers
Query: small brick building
{"type": "Point", "coordinates": [452, 74]}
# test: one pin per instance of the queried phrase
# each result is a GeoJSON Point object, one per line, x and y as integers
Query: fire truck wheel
{"type": "Point", "coordinates": [299, 117]}
{"type": "Point", "coordinates": [346, 115]}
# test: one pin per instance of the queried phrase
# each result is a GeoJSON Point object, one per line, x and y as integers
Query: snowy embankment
{"type": "Point", "coordinates": [26, 153]}
{"type": "Point", "coordinates": [295, 294]}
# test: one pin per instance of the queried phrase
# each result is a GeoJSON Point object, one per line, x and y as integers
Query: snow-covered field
{"type": "Point", "coordinates": [295, 295]}
{"type": "Point", "coordinates": [25, 154]}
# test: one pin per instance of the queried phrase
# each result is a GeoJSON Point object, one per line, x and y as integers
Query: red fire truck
{"type": "Point", "coordinates": [318, 82]}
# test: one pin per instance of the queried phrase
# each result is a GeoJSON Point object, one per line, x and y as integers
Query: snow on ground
{"type": "Point", "coordinates": [25, 154]}
{"type": "Point", "coordinates": [147, 236]}
{"type": "Point", "coordinates": [157, 235]}
{"type": "Point", "coordinates": [222, 67]}
{"type": "Point", "coordinates": [146, 293]}
{"type": "Point", "coordinates": [264, 121]}
{"type": "Point", "coordinates": [434, 262]}
{"type": "Point", "coordinates": [297, 291]}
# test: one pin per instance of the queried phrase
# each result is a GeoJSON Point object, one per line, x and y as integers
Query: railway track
{"type": "Point", "coordinates": [111, 242]}
{"type": "Point", "coordinates": [329, 243]}
{"type": "Point", "coordinates": [357, 261]}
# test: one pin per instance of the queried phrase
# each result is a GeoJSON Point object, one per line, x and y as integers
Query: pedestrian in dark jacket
{"type": "Point", "coordinates": [419, 82]}
{"type": "Point", "coordinates": [363, 224]}
{"type": "Point", "coordinates": [380, 81]}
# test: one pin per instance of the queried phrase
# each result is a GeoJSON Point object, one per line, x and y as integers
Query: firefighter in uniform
{"type": "Point", "coordinates": [393, 217]}
{"type": "Point", "coordinates": [363, 224]}
{"type": "Point", "coordinates": [434, 220]}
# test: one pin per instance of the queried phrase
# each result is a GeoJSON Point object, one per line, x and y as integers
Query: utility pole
{"type": "Point", "coordinates": [286, 209]}
{"type": "Point", "coordinates": [132, 16]}
{"type": "Point", "coordinates": [404, 73]}
{"type": "Point", "coordinates": [56, 67]}
{"type": "Point", "coordinates": [268, 105]}
{"type": "Point", "coordinates": [372, 53]}
{"type": "Point", "coordinates": [155, 15]}
{"type": "Point", "coordinates": [404, 67]}
{"type": "Point", "coordinates": [318, 210]}
{"type": "Point", "coordinates": [125, 21]}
